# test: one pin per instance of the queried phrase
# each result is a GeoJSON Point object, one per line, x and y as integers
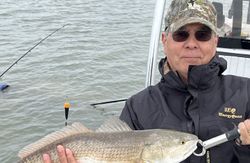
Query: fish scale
{"type": "Point", "coordinates": [110, 146]}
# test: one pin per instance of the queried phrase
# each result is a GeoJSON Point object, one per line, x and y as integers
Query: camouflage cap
{"type": "Point", "coordinates": [182, 12]}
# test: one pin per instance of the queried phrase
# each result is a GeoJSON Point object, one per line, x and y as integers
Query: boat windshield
{"type": "Point", "coordinates": [233, 24]}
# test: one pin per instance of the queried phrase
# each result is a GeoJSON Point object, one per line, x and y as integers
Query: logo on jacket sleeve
{"type": "Point", "coordinates": [230, 113]}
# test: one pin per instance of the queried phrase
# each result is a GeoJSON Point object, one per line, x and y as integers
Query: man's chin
{"type": "Point", "coordinates": [192, 61]}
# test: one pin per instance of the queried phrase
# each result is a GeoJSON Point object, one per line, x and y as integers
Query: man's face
{"type": "Point", "coordinates": [183, 49]}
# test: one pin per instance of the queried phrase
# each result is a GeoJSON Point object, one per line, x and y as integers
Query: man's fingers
{"type": "Point", "coordinates": [65, 156]}
{"type": "Point", "coordinates": [247, 124]}
{"type": "Point", "coordinates": [70, 156]}
{"type": "Point", "coordinates": [46, 158]}
{"type": "Point", "coordinates": [61, 154]}
{"type": "Point", "coordinates": [245, 132]}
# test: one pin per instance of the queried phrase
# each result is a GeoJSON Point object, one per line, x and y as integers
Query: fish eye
{"type": "Point", "coordinates": [183, 142]}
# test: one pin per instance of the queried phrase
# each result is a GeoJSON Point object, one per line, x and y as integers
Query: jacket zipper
{"type": "Point", "coordinates": [208, 157]}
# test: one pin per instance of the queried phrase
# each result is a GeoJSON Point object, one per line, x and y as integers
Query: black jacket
{"type": "Point", "coordinates": [209, 105]}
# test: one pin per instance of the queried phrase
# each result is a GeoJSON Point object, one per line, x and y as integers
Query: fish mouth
{"type": "Point", "coordinates": [192, 147]}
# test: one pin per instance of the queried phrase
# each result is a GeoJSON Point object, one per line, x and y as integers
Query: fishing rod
{"type": "Point", "coordinates": [107, 102]}
{"type": "Point", "coordinates": [31, 49]}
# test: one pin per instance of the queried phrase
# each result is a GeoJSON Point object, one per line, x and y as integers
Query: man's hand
{"type": "Point", "coordinates": [65, 156]}
{"type": "Point", "coordinates": [245, 132]}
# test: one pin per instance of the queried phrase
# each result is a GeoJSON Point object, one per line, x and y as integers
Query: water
{"type": "Point", "coordinates": [100, 56]}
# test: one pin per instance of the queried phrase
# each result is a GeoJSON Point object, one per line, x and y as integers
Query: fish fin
{"type": "Point", "coordinates": [74, 129]}
{"type": "Point", "coordinates": [114, 124]}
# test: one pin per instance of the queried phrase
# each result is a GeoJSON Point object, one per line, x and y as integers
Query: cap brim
{"type": "Point", "coordinates": [182, 22]}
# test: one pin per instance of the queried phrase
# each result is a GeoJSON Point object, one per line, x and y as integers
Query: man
{"type": "Point", "coordinates": [193, 96]}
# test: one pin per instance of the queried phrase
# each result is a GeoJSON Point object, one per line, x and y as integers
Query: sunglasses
{"type": "Point", "coordinates": [200, 35]}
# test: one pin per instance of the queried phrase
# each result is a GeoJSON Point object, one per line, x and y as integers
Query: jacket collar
{"type": "Point", "coordinates": [199, 76]}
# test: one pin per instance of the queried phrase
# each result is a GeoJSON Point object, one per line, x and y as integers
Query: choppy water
{"type": "Point", "coordinates": [100, 56]}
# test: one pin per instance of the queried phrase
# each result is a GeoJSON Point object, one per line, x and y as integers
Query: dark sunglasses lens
{"type": "Point", "coordinates": [180, 36]}
{"type": "Point", "coordinates": [203, 35]}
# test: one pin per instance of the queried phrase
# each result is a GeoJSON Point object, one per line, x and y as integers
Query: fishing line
{"type": "Point", "coordinates": [32, 49]}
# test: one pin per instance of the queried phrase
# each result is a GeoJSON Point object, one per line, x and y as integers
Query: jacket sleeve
{"type": "Point", "coordinates": [129, 116]}
{"type": "Point", "coordinates": [243, 152]}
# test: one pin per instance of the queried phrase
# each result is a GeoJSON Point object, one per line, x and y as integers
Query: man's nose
{"type": "Point", "coordinates": [191, 42]}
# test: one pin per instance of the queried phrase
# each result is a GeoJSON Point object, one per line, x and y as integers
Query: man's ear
{"type": "Point", "coordinates": [163, 37]}
{"type": "Point", "coordinates": [216, 40]}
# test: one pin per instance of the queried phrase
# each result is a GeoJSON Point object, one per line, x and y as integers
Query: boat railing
{"type": "Point", "coordinates": [154, 42]}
